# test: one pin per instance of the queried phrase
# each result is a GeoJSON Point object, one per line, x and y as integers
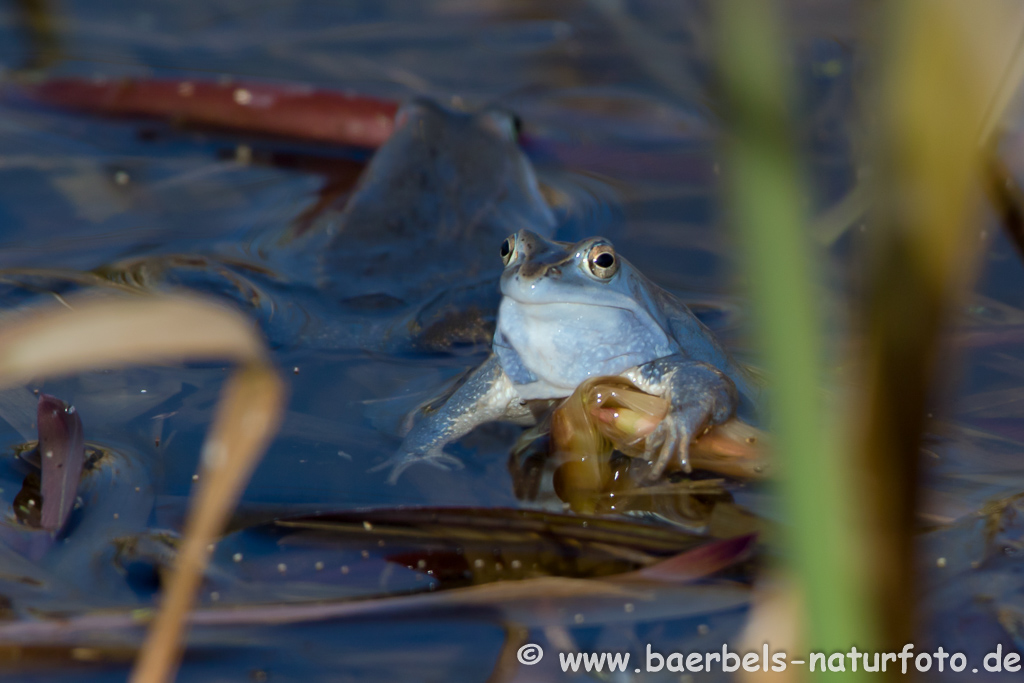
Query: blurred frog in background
{"type": "Point", "coordinates": [411, 251]}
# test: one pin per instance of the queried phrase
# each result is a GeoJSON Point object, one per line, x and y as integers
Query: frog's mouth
{"type": "Point", "coordinates": [591, 329]}
{"type": "Point", "coordinates": [571, 311]}
{"type": "Point", "coordinates": [595, 323]}
{"type": "Point", "coordinates": [534, 299]}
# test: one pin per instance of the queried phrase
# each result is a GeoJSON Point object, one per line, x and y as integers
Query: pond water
{"type": "Point", "coordinates": [623, 145]}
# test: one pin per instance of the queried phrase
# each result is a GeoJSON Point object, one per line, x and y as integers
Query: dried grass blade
{"type": "Point", "coordinates": [113, 332]}
{"type": "Point", "coordinates": [248, 416]}
{"type": "Point", "coordinates": [948, 64]}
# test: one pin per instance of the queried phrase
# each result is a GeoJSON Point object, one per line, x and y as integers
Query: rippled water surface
{"type": "Point", "coordinates": [623, 146]}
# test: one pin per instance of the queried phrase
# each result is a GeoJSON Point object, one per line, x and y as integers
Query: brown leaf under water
{"type": "Point", "coordinates": [696, 563]}
{"type": "Point", "coordinates": [531, 602]}
{"type": "Point", "coordinates": [465, 546]}
{"type": "Point", "coordinates": [62, 456]}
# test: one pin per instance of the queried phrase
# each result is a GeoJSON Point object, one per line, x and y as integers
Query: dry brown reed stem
{"type": "Point", "coordinates": [943, 79]}
{"type": "Point", "coordinates": [1006, 197]}
{"type": "Point", "coordinates": [248, 416]}
{"type": "Point", "coordinates": [118, 331]}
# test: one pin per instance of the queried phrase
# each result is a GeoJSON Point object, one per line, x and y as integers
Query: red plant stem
{"type": "Point", "coordinates": [293, 111]}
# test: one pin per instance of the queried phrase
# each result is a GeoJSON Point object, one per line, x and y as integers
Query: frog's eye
{"type": "Point", "coordinates": [508, 248]}
{"type": "Point", "coordinates": [602, 261]}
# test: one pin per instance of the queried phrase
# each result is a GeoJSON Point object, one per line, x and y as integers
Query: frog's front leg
{"type": "Point", "coordinates": [700, 396]}
{"type": "Point", "coordinates": [487, 395]}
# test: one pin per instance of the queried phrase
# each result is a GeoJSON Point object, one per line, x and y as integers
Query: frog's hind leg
{"type": "Point", "coordinates": [400, 463]}
{"type": "Point", "coordinates": [701, 396]}
{"type": "Point", "coordinates": [487, 395]}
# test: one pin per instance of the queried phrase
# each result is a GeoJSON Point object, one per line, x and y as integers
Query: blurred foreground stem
{"type": "Point", "coordinates": [948, 71]}
{"type": "Point", "coordinates": [766, 196]}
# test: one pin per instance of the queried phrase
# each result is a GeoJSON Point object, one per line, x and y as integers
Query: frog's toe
{"type": "Point", "coordinates": [669, 442]}
{"type": "Point", "coordinates": [444, 461]}
{"type": "Point", "coordinates": [401, 462]}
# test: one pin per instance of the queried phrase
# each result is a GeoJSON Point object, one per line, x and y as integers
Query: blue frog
{"type": "Point", "coordinates": [573, 311]}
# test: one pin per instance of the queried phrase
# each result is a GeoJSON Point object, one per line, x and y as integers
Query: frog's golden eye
{"type": "Point", "coordinates": [602, 261]}
{"type": "Point", "coordinates": [508, 248]}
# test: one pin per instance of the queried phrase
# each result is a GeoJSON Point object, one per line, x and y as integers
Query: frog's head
{"type": "Point", "coordinates": [542, 271]}
{"type": "Point", "coordinates": [449, 175]}
{"type": "Point", "coordinates": [572, 311]}
{"type": "Point", "coordinates": [425, 119]}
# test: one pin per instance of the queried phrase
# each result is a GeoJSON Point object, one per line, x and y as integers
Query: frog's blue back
{"type": "Point", "coordinates": [434, 205]}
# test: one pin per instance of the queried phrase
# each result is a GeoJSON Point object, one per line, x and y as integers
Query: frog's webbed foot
{"type": "Point", "coordinates": [402, 461]}
{"type": "Point", "coordinates": [700, 395]}
{"type": "Point", "coordinates": [486, 395]}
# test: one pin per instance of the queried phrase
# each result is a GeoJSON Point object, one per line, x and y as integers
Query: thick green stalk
{"type": "Point", "coordinates": [766, 198]}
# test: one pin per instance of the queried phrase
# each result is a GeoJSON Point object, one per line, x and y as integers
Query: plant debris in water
{"type": "Point", "coordinates": [584, 439]}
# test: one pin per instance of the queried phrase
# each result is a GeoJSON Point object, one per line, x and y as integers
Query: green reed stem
{"type": "Point", "coordinates": [766, 198]}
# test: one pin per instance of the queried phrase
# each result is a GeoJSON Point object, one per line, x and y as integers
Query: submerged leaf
{"type": "Point", "coordinates": [462, 546]}
{"type": "Point", "coordinates": [62, 455]}
{"type": "Point", "coordinates": [697, 563]}
{"type": "Point", "coordinates": [656, 592]}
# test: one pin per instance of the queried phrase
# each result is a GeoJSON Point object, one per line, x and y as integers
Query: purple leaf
{"type": "Point", "coordinates": [695, 564]}
{"type": "Point", "coordinates": [62, 454]}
